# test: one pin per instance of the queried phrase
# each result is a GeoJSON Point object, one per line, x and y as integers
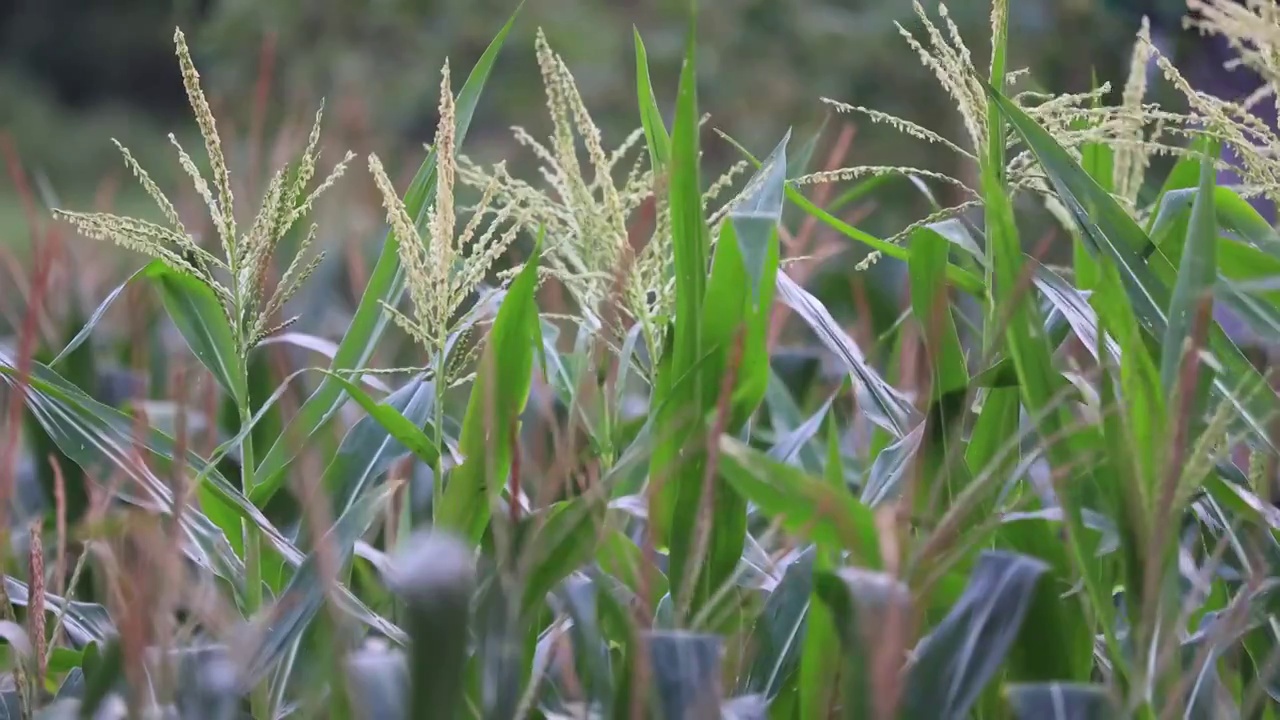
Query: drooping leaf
{"type": "Point", "coordinates": [889, 469]}
{"type": "Point", "coordinates": [91, 434]}
{"type": "Point", "coordinates": [960, 277]}
{"type": "Point", "coordinates": [97, 437]}
{"type": "Point", "coordinates": [1074, 309]}
{"type": "Point", "coordinates": [788, 446]}
{"type": "Point", "coordinates": [405, 431]}
{"type": "Point", "coordinates": [85, 330]}
{"type": "Point", "coordinates": [320, 346]}
{"type": "Point", "coordinates": [85, 623]}
{"type": "Point", "coordinates": [884, 405]}
{"type": "Point", "coordinates": [411, 436]}
{"type": "Point", "coordinates": [804, 505]}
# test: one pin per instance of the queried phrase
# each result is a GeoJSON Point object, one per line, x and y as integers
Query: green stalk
{"type": "Point", "coordinates": [995, 158]}
{"type": "Point", "coordinates": [260, 696]}
{"type": "Point", "coordinates": [260, 699]}
{"type": "Point", "coordinates": [437, 413]}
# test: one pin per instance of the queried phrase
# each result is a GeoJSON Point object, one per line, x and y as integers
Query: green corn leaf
{"type": "Point", "coordinates": [493, 410]}
{"type": "Point", "coordinates": [1134, 427]}
{"type": "Point", "coordinates": [820, 664]}
{"type": "Point", "coordinates": [1039, 383]}
{"type": "Point", "coordinates": [861, 604]}
{"type": "Point", "coordinates": [954, 663]}
{"type": "Point", "coordinates": [806, 506]}
{"type": "Point", "coordinates": [199, 316]}
{"type": "Point", "coordinates": [1185, 175]}
{"type": "Point", "coordinates": [735, 336]}
{"type": "Point", "coordinates": [883, 404]}
{"type": "Point", "coordinates": [1196, 275]}
{"type": "Point", "coordinates": [1056, 641]}
{"type": "Point", "coordinates": [655, 130]}
{"type": "Point", "coordinates": [408, 433]}
{"type": "Point", "coordinates": [779, 631]}
{"type": "Point", "coordinates": [1232, 212]}
{"type": "Point", "coordinates": [104, 676]}
{"type": "Point", "coordinates": [97, 315]}
{"type": "Point", "coordinates": [386, 285]}
{"type": "Point", "coordinates": [755, 217]}
{"type": "Point", "coordinates": [996, 423]}
{"type": "Point", "coordinates": [689, 232]}
{"type": "Point", "coordinates": [549, 545]}
{"type": "Point", "coordinates": [1098, 160]}
{"type": "Point", "coordinates": [369, 447]}
{"type": "Point", "coordinates": [681, 396]}
{"type": "Point", "coordinates": [927, 270]}
{"type": "Point", "coordinates": [1248, 255]}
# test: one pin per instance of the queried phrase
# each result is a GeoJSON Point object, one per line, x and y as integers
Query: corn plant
{"type": "Point", "coordinates": [627, 507]}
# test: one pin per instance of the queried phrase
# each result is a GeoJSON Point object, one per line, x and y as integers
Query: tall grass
{"type": "Point", "coordinates": [598, 487]}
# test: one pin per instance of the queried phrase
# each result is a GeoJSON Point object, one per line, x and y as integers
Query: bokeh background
{"type": "Point", "coordinates": [76, 73]}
